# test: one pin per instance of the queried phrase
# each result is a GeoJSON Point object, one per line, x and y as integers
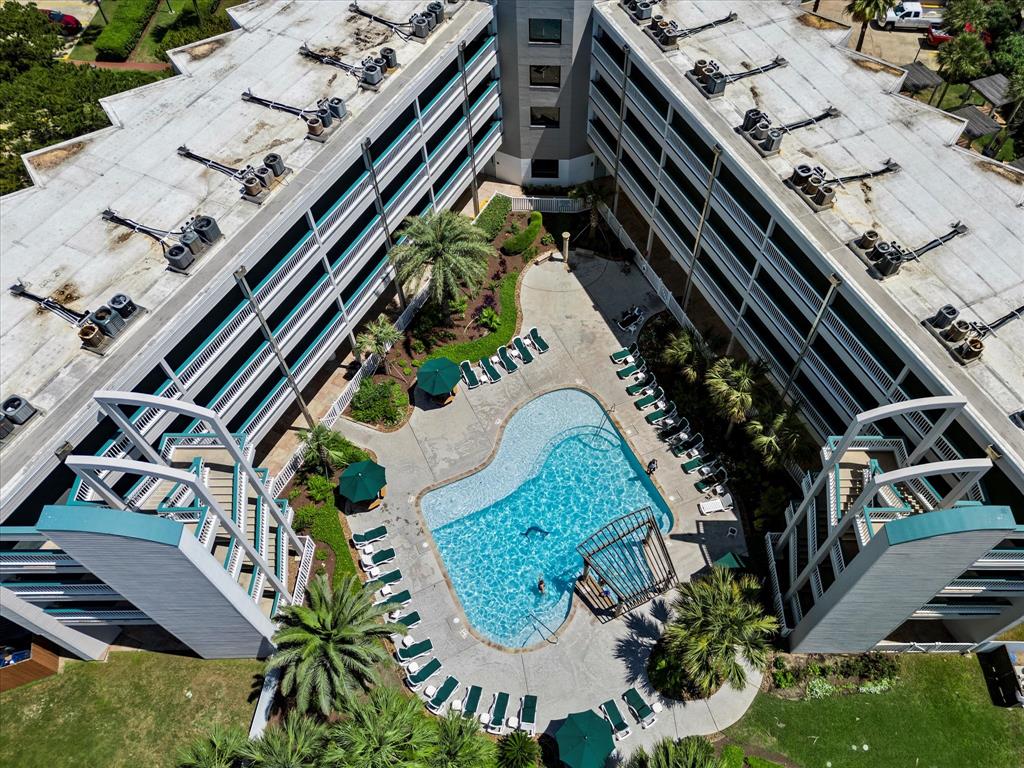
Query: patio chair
{"type": "Point", "coordinates": [639, 708]}
{"type": "Point", "coordinates": [528, 714]}
{"type": "Point", "coordinates": [690, 448]}
{"type": "Point", "coordinates": [646, 383]}
{"type": "Point", "coordinates": [630, 319]}
{"type": "Point", "coordinates": [496, 719]}
{"type": "Point", "coordinates": [377, 558]}
{"type": "Point", "coordinates": [414, 651]}
{"type": "Point", "coordinates": [378, 581]}
{"type": "Point", "coordinates": [620, 728]}
{"type": "Point", "coordinates": [692, 464]}
{"type": "Point", "coordinates": [709, 482]}
{"type": "Point", "coordinates": [370, 536]}
{"type": "Point", "coordinates": [710, 507]}
{"type": "Point", "coordinates": [637, 366]}
{"type": "Point", "coordinates": [469, 375]}
{"type": "Point", "coordinates": [664, 413]}
{"type": "Point", "coordinates": [538, 341]}
{"type": "Point", "coordinates": [676, 431]}
{"type": "Point", "coordinates": [416, 676]}
{"type": "Point", "coordinates": [506, 360]}
{"type": "Point", "coordinates": [523, 350]}
{"type": "Point", "coordinates": [649, 400]}
{"type": "Point", "coordinates": [471, 703]}
{"type": "Point", "coordinates": [620, 357]}
{"type": "Point", "coordinates": [409, 621]}
{"type": "Point", "coordinates": [490, 371]}
{"type": "Point", "coordinates": [441, 696]}
{"type": "Point", "coordinates": [402, 598]}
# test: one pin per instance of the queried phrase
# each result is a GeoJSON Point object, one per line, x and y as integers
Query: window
{"type": "Point", "coordinates": [544, 169]}
{"type": "Point", "coordinates": [546, 75]}
{"type": "Point", "coordinates": [544, 117]}
{"type": "Point", "coordinates": [545, 30]}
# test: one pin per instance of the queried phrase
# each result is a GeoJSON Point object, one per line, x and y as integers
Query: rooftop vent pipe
{"type": "Point", "coordinates": [406, 31]}
{"type": "Point", "coordinates": [51, 305]}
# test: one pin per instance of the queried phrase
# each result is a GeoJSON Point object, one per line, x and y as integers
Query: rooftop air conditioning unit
{"type": "Point", "coordinates": [108, 321]}
{"type": "Point", "coordinates": [6, 427]}
{"type": "Point", "coordinates": [17, 409]}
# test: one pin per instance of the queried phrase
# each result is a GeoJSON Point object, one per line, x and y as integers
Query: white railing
{"type": "Point", "coordinates": [887, 647]}
{"type": "Point", "coordinates": [747, 224]}
{"type": "Point", "coordinates": [101, 617]}
{"type": "Point", "coordinates": [58, 591]}
{"type": "Point", "coordinates": [549, 204]}
{"type": "Point", "coordinates": [769, 541]}
{"type": "Point", "coordinates": [637, 98]}
{"type": "Point", "coordinates": [305, 567]}
{"type": "Point", "coordinates": [344, 207]}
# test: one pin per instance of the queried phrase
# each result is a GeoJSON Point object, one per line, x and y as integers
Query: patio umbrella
{"type": "Point", "coordinates": [362, 481]}
{"type": "Point", "coordinates": [730, 560]}
{"type": "Point", "coordinates": [584, 740]}
{"type": "Point", "coordinates": [438, 376]}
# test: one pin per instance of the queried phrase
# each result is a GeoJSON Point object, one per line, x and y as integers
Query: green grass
{"type": "Point", "coordinates": [939, 714]}
{"type": "Point", "coordinates": [131, 711]}
{"type": "Point", "coordinates": [487, 345]}
{"type": "Point", "coordinates": [327, 528]}
{"type": "Point", "coordinates": [148, 48]}
{"type": "Point", "coordinates": [84, 50]}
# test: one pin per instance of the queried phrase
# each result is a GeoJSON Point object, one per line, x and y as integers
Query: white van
{"type": "Point", "coordinates": [910, 16]}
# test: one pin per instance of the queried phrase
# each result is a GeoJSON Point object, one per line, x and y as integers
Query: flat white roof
{"type": "Point", "coordinates": [53, 238]}
{"type": "Point", "coordinates": [981, 273]}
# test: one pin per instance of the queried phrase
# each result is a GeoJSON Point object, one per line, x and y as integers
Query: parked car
{"type": "Point", "coordinates": [68, 24]}
{"type": "Point", "coordinates": [910, 16]}
{"type": "Point", "coordinates": [937, 35]}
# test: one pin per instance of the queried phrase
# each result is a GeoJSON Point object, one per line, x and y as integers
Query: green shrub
{"type": "Point", "coordinates": [819, 688]}
{"type": "Point", "coordinates": [868, 666]}
{"type": "Point", "coordinates": [489, 319]}
{"type": "Point", "coordinates": [488, 345]}
{"type": "Point", "coordinates": [878, 686]}
{"type": "Point", "coordinates": [760, 762]}
{"type": "Point", "coordinates": [304, 518]}
{"type": "Point", "coordinates": [418, 347]}
{"type": "Point", "coordinates": [492, 217]}
{"type": "Point", "coordinates": [518, 750]}
{"type": "Point", "coordinates": [547, 239]}
{"type": "Point", "coordinates": [126, 26]}
{"type": "Point", "coordinates": [320, 489]}
{"type": "Point", "coordinates": [782, 676]}
{"type": "Point", "coordinates": [185, 34]}
{"type": "Point", "coordinates": [320, 554]}
{"type": "Point", "coordinates": [732, 757]}
{"type": "Point", "coordinates": [379, 403]}
{"type": "Point", "coordinates": [327, 529]}
{"type": "Point", "coordinates": [458, 305]}
{"type": "Point", "coordinates": [520, 242]}
{"type": "Point", "coordinates": [530, 253]}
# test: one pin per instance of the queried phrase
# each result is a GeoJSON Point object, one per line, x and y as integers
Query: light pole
{"type": "Point", "coordinates": [565, 250]}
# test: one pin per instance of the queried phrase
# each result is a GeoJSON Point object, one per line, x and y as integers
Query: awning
{"type": "Point", "coordinates": [920, 77]}
{"type": "Point", "coordinates": [978, 123]}
{"type": "Point", "coordinates": [993, 88]}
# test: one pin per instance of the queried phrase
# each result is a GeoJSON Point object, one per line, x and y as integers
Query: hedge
{"type": "Point", "coordinates": [119, 37]}
{"type": "Point", "coordinates": [492, 218]}
{"type": "Point", "coordinates": [523, 240]}
{"type": "Point", "coordinates": [488, 345]}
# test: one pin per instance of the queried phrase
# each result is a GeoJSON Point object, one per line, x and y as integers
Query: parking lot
{"type": "Point", "coordinates": [897, 47]}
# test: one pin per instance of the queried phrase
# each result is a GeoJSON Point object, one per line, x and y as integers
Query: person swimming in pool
{"type": "Point", "coordinates": [535, 529]}
{"type": "Point", "coordinates": [541, 586]}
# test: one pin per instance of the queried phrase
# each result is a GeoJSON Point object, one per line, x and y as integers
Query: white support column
{"type": "Point", "coordinates": [137, 438]}
{"type": "Point", "coordinates": [104, 491]}
{"type": "Point", "coordinates": [935, 432]}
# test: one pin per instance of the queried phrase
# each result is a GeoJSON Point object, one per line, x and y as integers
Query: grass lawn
{"type": "Point", "coordinates": [939, 715]}
{"type": "Point", "coordinates": [146, 50]}
{"type": "Point", "coordinates": [83, 50]}
{"type": "Point", "coordinates": [130, 711]}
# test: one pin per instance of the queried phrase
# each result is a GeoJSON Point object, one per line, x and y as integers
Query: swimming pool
{"type": "Point", "coordinates": [562, 471]}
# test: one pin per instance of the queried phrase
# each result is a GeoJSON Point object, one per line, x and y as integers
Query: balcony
{"type": "Point", "coordinates": [1008, 558]}
{"type": "Point", "coordinates": [53, 591]}
{"type": "Point", "coordinates": [637, 98]}
{"type": "Point", "coordinates": [38, 561]}
{"type": "Point", "coordinates": [970, 587]}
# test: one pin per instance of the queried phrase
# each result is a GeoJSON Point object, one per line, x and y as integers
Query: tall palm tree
{"type": "Point", "coordinates": [388, 730]}
{"type": "Point", "coordinates": [965, 14]}
{"type": "Point", "coordinates": [960, 59]}
{"type": "Point", "coordinates": [717, 624]}
{"type": "Point", "coordinates": [221, 748]}
{"type": "Point", "coordinates": [517, 750]}
{"type": "Point", "coordinates": [690, 353]}
{"type": "Point", "coordinates": [450, 246]}
{"type": "Point", "coordinates": [378, 337]}
{"type": "Point", "coordinates": [690, 752]}
{"type": "Point", "coordinates": [779, 437]}
{"type": "Point", "coordinates": [298, 742]}
{"type": "Point", "coordinates": [732, 387]}
{"type": "Point", "coordinates": [328, 649]}
{"type": "Point", "coordinates": [593, 194]}
{"type": "Point", "coordinates": [865, 11]}
{"type": "Point", "coordinates": [461, 745]}
{"type": "Point", "coordinates": [324, 449]}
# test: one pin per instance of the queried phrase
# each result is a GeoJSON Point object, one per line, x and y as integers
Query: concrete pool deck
{"type": "Point", "coordinates": [591, 662]}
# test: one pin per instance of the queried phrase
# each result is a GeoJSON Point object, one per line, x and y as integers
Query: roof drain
{"type": "Point", "coordinates": [757, 129]}
{"type": "Point", "coordinates": [257, 183]}
{"type": "Point", "coordinates": [884, 259]}
{"type": "Point", "coordinates": [320, 121]}
{"type": "Point", "coordinates": [708, 77]}
{"type": "Point", "coordinates": [819, 191]}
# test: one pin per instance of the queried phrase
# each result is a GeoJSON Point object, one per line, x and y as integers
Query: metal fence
{"type": "Point", "coordinates": [548, 204]}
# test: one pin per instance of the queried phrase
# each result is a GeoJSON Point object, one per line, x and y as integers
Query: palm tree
{"type": "Point", "coordinates": [593, 194]}
{"type": "Point", "coordinates": [450, 246]}
{"type": "Point", "coordinates": [865, 11]}
{"type": "Point", "coordinates": [388, 730]}
{"type": "Point", "coordinates": [377, 338]}
{"type": "Point", "coordinates": [962, 58]}
{"type": "Point", "coordinates": [732, 387]}
{"type": "Point", "coordinates": [221, 748]}
{"type": "Point", "coordinates": [717, 624]}
{"type": "Point", "coordinates": [779, 437]}
{"type": "Point", "coordinates": [965, 14]}
{"type": "Point", "coordinates": [517, 750]}
{"type": "Point", "coordinates": [326, 650]}
{"type": "Point", "coordinates": [461, 745]}
{"type": "Point", "coordinates": [298, 742]}
{"type": "Point", "coordinates": [324, 449]}
{"type": "Point", "coordinates": [690, 752]}
{"type": "Point", "coordinates": [690, 352]}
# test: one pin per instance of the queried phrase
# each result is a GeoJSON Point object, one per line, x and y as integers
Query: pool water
{"type": "Point", "coordinates": [561, 473]}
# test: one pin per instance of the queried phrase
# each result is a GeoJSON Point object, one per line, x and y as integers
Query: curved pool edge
{"type": "Point", "coordinates": [499, 436]}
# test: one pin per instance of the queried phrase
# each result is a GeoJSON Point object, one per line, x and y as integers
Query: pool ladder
{"type": "Point", "coordinates": [551, 637]}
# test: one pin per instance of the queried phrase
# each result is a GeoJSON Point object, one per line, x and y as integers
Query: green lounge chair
{"type": "Point", "coordinates": [693, 464]}
{"type": "Point", "coordinates": [442, 694]}
{"type": "Point", "coordinates": [638, 366]}
{"type": "Point", "coordinates": [695, 442]}
{"type": "Point", "coordinates": [377, 558]}
{"type": "Point", "coordinates": [391, 577]}
{"type": "Point", "coordinates": [402, 598]}
{"type": "Point", "coordinates": [639, 708]}
{"type": "Point", "coordinates": [490, 371]}
{"type": "Point", "coordinates": [523, 350]}
{"type": "Point", "coordinates": [538, 341]}
{"type": "Point", "coordinates": [469, 375]}
{"type": "Point", "coordinates": [410, 620]}
{"type": "Point", "coordinates": [415, 680]}
{"type": "Point", "coordinates": [528, 714]}
{"type": "Point", "coordinates": [370, 536]}
{"type": "Point", "coordinates": [707, 483]}
{"type": "Point", "coordinates": [661, 414]}
{"type": "Point", "coordinates": [622, 354]}
{"type": "Point", "coordinates": [472, 701]}
{"type": "Point", "coordinates": [620, 728]}
{"type": "Point", "coordinates": [635, 389]}
{"type": "Point", "coordinates": [505, 357]}
{"type": "Point", "coordinates": [650, 399]}
{"type": "Point", "coordinates": [414, 651]}
{"type": "Point", "coordinates": [496, 721]}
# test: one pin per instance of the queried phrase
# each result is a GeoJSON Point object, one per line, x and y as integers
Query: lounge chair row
{"type": "Point", "coordinates": [663, 411]}
{"type": "Point", "coordinates": [506, 359]}
{"type": "Point", "coordinates": [638, 708]}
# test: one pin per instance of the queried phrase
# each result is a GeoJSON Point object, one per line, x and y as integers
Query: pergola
{"type": "Point", "coordinates": [993, 89]}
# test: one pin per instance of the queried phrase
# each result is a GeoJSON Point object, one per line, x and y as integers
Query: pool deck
{"type": "Point", "coordinates": [590, 662]}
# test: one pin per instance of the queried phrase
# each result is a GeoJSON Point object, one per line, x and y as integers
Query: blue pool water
{"type": "Point", "coordinates": [562, 472]}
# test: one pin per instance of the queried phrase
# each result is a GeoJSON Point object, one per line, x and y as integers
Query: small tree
{"type": "Point", "coordinates": [689, 752]}
{"type": "Point", "coordinates": [460, 744]}
{"type": "Point", "coordinates": [732, 387]}
{"type": "Point", "coordinates": [377, 338]}
{"type": "Point", "coordinates": [297, 742]}
{"type": "Point", "coordinates": [779, 437]}
{"type": "Point", "coordinates": [387, 730]}
{"type": "Point", "coordinates": [690, 353]}
{"type": "Point", "coordinates": [325, 450]}
{"type": "Point", "coordinates": [970, 15]}
{"type": "Point", "coordinates": [517, 750]}
{"type": "Point", "coordinates": [592, 194]}
{"type": "Point", "coordinates": [865, 11]}
{"type": "Point", "coordinates": [962, 58]}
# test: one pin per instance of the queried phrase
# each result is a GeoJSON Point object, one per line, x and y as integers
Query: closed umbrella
{"type": "Point", "coordinates": [584, 740]}
{"type": "Point", "coordinates": [362, 481]}
{"type": "Point", "coordinates": [438, 376]}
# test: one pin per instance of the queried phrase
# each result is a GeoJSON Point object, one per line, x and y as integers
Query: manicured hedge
{"type": "Point", "coordinates": [119, 37]}
{"type": "Point", "coordinates": [492, 218]}
{"type": "Point", "coordinates": [523, 240]}
{"type": "Point", "coordinates": [488, 345]}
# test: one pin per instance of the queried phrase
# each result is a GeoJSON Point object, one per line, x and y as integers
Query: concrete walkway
{"type": "Point", "coordinates": [590, 662]}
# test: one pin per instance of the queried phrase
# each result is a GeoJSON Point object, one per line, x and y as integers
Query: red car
{"type": "Point", "coordinates": [68, 24]}
{"type": "Point", "coordinates": [938, 35]}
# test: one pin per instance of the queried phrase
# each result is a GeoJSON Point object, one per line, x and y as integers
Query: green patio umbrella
{"type": "Point", "coordinates": [584, 740]}
{"type": "Point", "coordinates": [438, 376]}
{"type": "Point", "coordinates": [362, 481]}
{"type": "Point", "coordinates": [730, 560]}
